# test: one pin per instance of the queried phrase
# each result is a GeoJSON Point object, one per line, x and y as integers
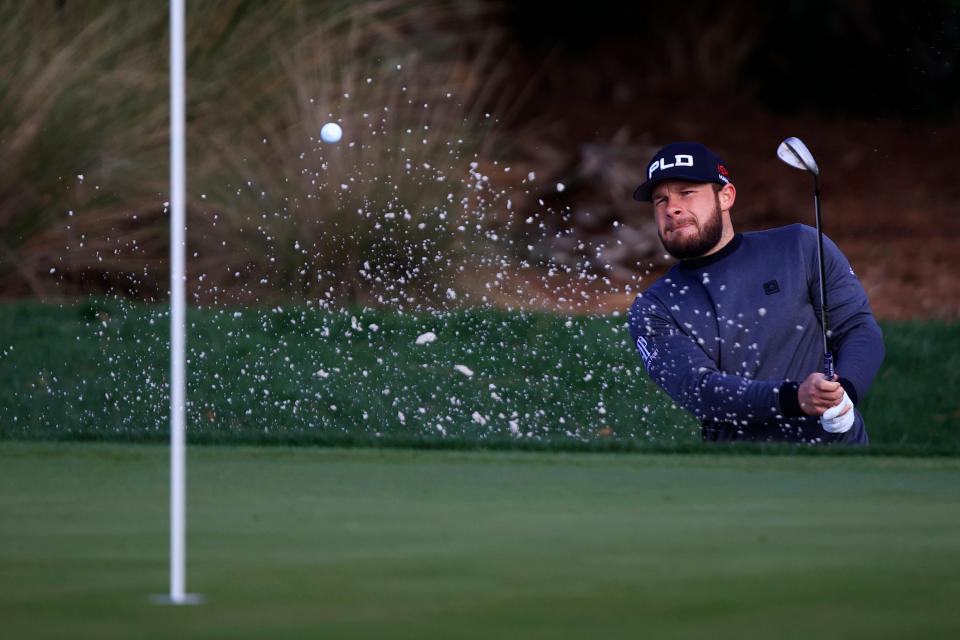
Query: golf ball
{"type": "Point", "coordinates": [331, 133]}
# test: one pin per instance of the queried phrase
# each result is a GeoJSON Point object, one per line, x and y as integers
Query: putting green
{"type": "Point", "coordinates": [294, 543]}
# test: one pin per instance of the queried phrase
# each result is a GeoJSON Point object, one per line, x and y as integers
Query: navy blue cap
{"type": "Point", "coordinates": [682, 161]}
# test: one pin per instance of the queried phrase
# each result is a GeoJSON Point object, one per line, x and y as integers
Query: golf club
{"type": "Point", "coordinates": [795, 153]}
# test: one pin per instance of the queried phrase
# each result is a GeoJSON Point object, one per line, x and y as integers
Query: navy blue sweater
{"type": "Point", "coordinates": [730, 336]}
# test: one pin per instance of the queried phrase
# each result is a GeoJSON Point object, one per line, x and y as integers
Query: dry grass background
{"type": "Point", "coordinates": [445, 189]}
{"type": "Point", "coordinates": [395, 213]}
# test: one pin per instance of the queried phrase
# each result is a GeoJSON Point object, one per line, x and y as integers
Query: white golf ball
{"type": "Point", "coordinates": [331, 133]}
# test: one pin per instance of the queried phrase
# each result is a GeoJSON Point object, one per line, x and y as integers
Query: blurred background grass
{"type": "Point", "coordinates": [99, 370]}
{"type": "Point", "coordinates": [486, 142]}
{"type": "Point", "coordinates": [387, 214]}
{"type": "Point", "coordinates": [357, 375]}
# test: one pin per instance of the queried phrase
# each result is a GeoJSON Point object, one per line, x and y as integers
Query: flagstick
{"type": "Point", "coordinates": [178, 481]}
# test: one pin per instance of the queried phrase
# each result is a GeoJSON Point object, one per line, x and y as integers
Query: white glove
{"type": "Point", "coordinates": [833, 422]}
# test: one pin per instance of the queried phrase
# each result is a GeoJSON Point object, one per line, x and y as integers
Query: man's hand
{"type": "Point", "coordinates": [840, 418]}
{"type": "Point", "coordinates": [817, 394]}
{"type": "Point", "coordinates": [827, 399]}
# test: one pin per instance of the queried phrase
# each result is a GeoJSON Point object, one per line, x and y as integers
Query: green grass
{"type": "Point", "coordinates": [99, 370]}
{"type": "Point", "coordinates": [308, 542]}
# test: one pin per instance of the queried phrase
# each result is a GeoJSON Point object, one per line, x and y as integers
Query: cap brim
{"type": "Point", "coordinates": [644, 192]}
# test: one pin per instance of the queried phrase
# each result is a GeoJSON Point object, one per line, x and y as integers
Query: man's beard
{"type": "Point", "coordinates": [709, 235]}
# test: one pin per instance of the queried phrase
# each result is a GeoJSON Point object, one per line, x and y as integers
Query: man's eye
{"type": "Point", "coordinates": [688, 192]}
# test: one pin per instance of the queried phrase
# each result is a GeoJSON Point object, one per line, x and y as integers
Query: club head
{"type": "Point", "coordinates": [795, 153]}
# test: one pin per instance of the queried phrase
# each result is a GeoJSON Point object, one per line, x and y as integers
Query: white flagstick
{"type": "Point", "coordinates": [178, 251]}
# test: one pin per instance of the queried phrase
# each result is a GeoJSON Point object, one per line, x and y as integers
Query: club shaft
{"type": "Point", "coordinates": [824, 309]}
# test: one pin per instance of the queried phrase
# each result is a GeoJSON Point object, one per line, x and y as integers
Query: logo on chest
{"type": "Point", "coordinates": [771, 287]}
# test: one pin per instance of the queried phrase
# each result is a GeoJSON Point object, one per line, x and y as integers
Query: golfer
{"type": "Point", "coordinates": [732, 332]}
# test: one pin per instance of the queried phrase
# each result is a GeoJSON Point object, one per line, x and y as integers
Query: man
{"type": "Point", "coordinates": [732, 332]}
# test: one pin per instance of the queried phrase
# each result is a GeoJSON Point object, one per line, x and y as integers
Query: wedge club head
{"type": "Point", "coordinates": [795, 153]}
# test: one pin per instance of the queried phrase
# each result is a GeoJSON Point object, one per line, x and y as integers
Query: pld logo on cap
{"type": "Point", "coordinates": [679, 160]}
{"type": "Point", "coordinates": [689, 161]}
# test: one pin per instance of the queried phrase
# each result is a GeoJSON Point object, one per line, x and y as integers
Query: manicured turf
{"type": "Point", "coordinates": [294, 543]}
{"type": "Point", "coordinates": [98, 370]}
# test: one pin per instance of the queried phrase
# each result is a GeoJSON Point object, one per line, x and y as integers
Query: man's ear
{"type": "Point", "coordinates": [727, 196]}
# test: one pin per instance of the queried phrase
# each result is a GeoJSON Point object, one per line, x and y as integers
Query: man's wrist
{"type": "Point", "coordinates": [790, 399]}
{"type": "Point", "coordinates": [850, 389]}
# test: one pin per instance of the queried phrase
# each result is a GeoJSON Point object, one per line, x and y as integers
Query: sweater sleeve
{"type": "Point", "coordinates": [681, 367]}
{"type": "Point", "coordinates": [854, 337]}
